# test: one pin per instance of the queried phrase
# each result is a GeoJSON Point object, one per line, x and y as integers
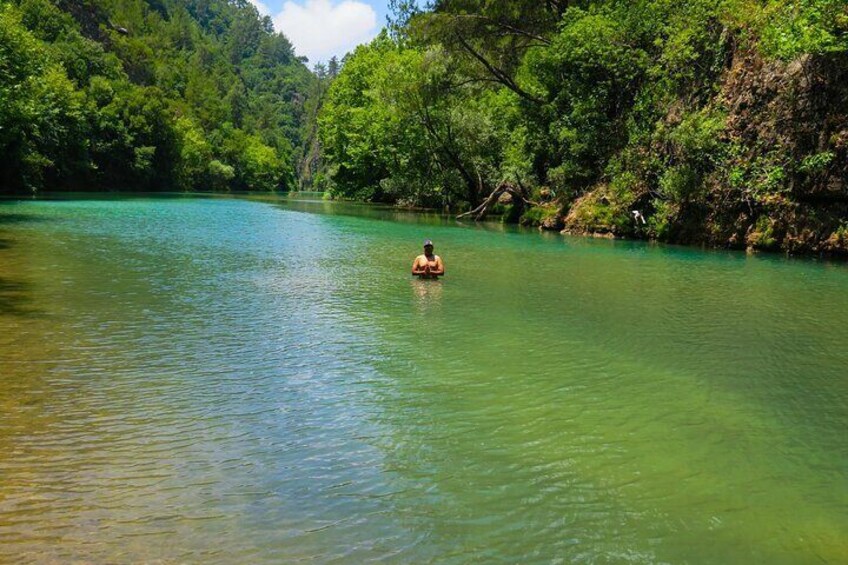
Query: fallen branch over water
{"type": "Point", "coordinates": [504, 187]}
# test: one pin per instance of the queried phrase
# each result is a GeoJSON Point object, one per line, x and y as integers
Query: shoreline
{"type": "Point", "coordinates": [314, 197]}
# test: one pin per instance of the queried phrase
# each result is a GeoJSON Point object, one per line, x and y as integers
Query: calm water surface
{"type": "Point", "coordinates": [233, 381]}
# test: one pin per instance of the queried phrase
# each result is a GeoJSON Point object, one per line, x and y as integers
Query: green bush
{"type": "Point", "coordinates": [763, 235]}
{"type": "Point", "coordinates": [536, 215]}
{"type": "Point", "coordinates": [817, 162]}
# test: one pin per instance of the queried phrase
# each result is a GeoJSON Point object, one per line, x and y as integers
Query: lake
{"type": "Point", "coordinates": [235, 380]}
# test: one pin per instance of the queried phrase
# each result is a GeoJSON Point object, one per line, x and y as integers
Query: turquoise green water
{"type": "Point", "coordinates": [193, 380]}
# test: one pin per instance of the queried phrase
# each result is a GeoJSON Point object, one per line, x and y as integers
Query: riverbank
{"type": "Point", "coordinates": [547, 218]}
{"type": "Point", "coordinates": [720, 124]}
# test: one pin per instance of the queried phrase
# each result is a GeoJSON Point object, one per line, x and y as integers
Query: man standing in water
{"type": "Point", "coordinates": [428, 265]}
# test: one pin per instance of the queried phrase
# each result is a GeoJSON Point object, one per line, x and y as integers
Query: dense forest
{"type": "Point", "coordinates": [722, 122]}
{"type": "Point", "coordinates": [148, 95]}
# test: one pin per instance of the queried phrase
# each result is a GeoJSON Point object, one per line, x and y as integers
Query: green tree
{"type": "Point", "coordinates": [42, 126]}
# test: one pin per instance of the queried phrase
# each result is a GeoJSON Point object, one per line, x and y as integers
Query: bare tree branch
{"type": "Point", "coordinates": [500, 75]}
{"type": "Point", "coordinates": [507, 27]}
{"type": "Point", "coordinates": [480, 211]}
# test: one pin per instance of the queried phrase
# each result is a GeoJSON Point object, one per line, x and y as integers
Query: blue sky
{"type": "Point", "coordinates": [320, 29]}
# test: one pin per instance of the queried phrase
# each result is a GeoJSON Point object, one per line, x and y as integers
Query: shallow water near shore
{"type": "Point", "coordinates": [226, 380]}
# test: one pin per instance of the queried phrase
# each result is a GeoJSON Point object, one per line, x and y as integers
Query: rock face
{"type": "Point", "coordinates": [771, 174]}
{"type": "Point", "coordinates": [788, 125]}
{"type": "Point", "coordinates": [553, 223]}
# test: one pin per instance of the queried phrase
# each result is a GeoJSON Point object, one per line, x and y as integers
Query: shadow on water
{"type": "Point", "coordinates": [14, 295]}
{"type": "Point", "coordinates": [14, 218]}
{"type": "Point", "coordinates": [15, 298]}
{"type": "Point", "coordinates": [8, 217]}
{"type": "Point", "coordinates": [382, 212]}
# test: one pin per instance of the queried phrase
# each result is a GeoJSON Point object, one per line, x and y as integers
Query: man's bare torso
{"type": "Point", "coordinates": [428, 266]}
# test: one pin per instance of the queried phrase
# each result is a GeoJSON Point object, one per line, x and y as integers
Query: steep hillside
{"type": "Point", "coordinates": [719, 122]}
{"type": "Point", "coordinates": [769, 172]}
{"type": "Point", "coordinates": [147, 95]}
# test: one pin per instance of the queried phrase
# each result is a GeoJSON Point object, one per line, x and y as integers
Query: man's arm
{"type": "Point", "coordinates": [439, 270]}
{"type": "Point", "coordinates": [417, 269]}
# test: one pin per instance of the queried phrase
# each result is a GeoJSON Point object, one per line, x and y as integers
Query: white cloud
{"type": "Point", "coordinates": [262, 7]}
{"type": "Point", "coordinates": [320, 29]}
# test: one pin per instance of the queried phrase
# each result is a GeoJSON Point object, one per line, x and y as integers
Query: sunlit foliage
{"type": "Point", "coordinates": [147, 95]}
{"type": "Point", "coordinates": [693, 114]}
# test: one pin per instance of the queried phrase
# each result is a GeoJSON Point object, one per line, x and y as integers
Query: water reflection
{"type": "Point", "coordinates": [391, 214]}
{"type": "Point", "coordinates": [428, 293]}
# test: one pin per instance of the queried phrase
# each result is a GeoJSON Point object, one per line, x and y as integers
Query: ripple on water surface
{"type": "Point", "coordinates": [219, 380]}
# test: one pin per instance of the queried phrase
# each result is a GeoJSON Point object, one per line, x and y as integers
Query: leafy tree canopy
{"type": "Point", "coordinates": [147, 95]}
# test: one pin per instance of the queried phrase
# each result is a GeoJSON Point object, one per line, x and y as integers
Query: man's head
{"type": "Point", "coordinates": [428, 246]}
